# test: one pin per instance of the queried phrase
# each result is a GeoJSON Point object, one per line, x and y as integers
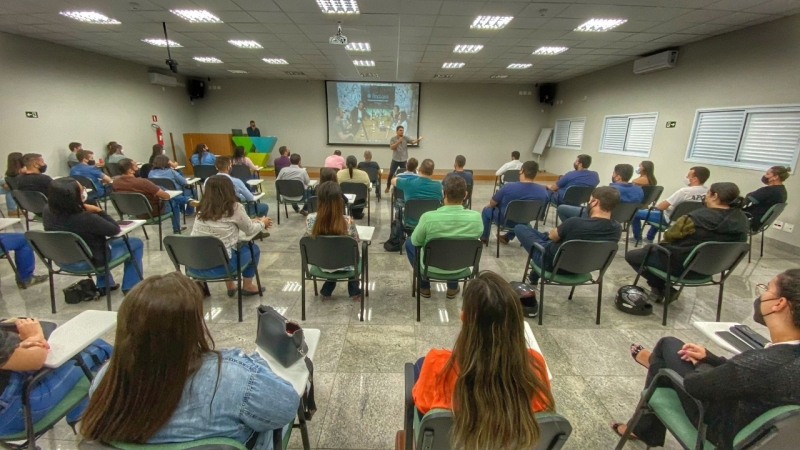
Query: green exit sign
{"type": "Point", "coordinates": [671, 124]}
{"type": "Point", "coordinates": [31, 114]}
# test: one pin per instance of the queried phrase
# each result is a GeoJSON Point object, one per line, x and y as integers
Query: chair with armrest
{"type": "Point", "coordinates": [519, 211]}
{"type": "Point", "coordinates": [413, 210]}
{"type": "Point", "coordinates": [30, 202]}
{"type": "Point", "coordinates": [168, 184]}
{"type": "Point", "coordinates": [322, 254]}
{"type": "Point", "coordinates": [764, 223]}
{"type": "Point", "coordinates": [651, 195]}
{"type": "Point", "coordinates": [136, 206]}
{"type": "Point", "coordinates": [446, 260]}
{"type": "Point", "coordinates": [361, 192]}
{"type": "Point", "coordinates": [509, 177]}
{"type": "Point", "coordinates": [113, 169]}
{"type": "Point", "coordinates": [286, 189]}
{"type": "Point", "coordinates": [204, 171]}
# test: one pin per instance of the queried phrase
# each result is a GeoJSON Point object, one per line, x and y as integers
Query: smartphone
{"type": "Point", "coordinates": [737, 343]}
{"type": "Point", "coordinates": [122, 223]}
{"type": "Point", "coordinates": [748, 335]}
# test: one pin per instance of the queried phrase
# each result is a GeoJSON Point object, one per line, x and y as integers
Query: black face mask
{"type": "Point", "coordinates": [91, 162]}
{"type": "Point", "coordinates": [758, 316]}
{"type": "Point", "coordinates": [43, 169]}
{"type": "Point", "coordinates": [764, 179]}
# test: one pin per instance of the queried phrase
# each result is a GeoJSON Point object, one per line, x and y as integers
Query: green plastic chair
{"type": "Point", "coordinates": [30, 202]}
{"type": "Point", "coordinates": [331, 253]}
{"type": "Point", "coordinates": [764, 223]}
{"type": "Point", "coordinates": [518, 211]}
{"type": "Point", "coordinates": [776, 429]}
{"type": "Point", "coordinates": [135, 206]}
{"type": "Point", "coordinates": [446, 260]}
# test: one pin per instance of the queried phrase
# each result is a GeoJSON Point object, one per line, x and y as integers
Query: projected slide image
{"type": "Point", "coordinates": [369, 113]}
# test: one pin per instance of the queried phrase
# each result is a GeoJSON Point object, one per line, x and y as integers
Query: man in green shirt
{"type": "Point", "coordinates": [449, 221]}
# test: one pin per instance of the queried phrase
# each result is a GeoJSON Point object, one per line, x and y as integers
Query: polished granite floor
{"type": "Point", "coordinates": [359, 380]}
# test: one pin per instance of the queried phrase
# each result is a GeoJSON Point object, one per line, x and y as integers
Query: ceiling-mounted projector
{"type": "Point", "coordinates": [339, 38]}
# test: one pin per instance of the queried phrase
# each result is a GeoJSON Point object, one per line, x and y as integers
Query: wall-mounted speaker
{"type": "Point", "coordinates": [196, 88]}
{"type": "Point", "coordinates": [547, 93]}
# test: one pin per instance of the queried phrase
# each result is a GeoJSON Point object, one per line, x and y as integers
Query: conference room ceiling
{"type": "Point", "coordinates": [410, 39]}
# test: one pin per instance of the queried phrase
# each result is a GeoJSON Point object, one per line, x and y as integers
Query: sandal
{"type": "Point", "coordinates": [635, 349]}
{"type": "Point", "coordinates": [615, 426]}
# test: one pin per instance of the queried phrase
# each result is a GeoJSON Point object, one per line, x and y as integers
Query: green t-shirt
{"type": "Point", "coordinates": [449, 221]}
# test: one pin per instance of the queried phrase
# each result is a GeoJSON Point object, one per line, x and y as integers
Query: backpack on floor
{"type": "Point", "coordinates": [527, 296]}
{"type": "Point", "coordinates": [396, 237]}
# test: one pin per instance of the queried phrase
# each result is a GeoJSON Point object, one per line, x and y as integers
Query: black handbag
{"type": "Point", "coordinates": [81, 291]}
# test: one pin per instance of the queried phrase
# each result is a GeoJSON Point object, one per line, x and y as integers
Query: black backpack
{"type": "Point", "coordinates": [396, 237]}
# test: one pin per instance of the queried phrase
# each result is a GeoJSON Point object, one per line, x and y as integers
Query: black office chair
{"type": "Point", "coordinates": [113, 169]}
{"type": "Point", "coordinates": [312, 204]}
{"type": "Point", "coordinates": [288, 189]}
{"type": "Point", "coordinates": [397, 194]}
{"type": "Point", "coordinates": [97, 194]}
{"type": "Point", "coordinates": [331, 253]}
{"type": "Point", "coordinates": [624, 214]}
{"type": "Point", "coordinates": [136, 206]}
{"type": "Point", "coordinates": [468, 201]}
{"type": "Point", "coordinates": [576, 196]}
{"type": "Point", "coordinates": [30, 202]}
{"type": "Point", "coordinates": [519, 211]}
{"type": "Point", "coordinates": [242, 172]}
{"type": "Point", "coordinates": [508, 177]}
{"type": "Point", "coordinates": [413, 210]}
{"type": "Point", "coordinates": [446, 260]}
{"type": "Point", "coordinates": [375, 179]}
{"type": "Point", "coordinates": [681, 210]}
{"type": "Point", "coordinates": [651, 195]}
{"type": "Point", "coordinates": [764, 223]}
{"type": "Point", "coordinates": [204, 171]}
{"type": "Point", "coordinates": [362, 196]}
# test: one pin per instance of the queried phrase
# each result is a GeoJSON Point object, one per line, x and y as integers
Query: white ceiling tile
{"type": "Point", "coordinates": [584, 11]}
{"type": "Point", "coordinates": [257, 5]}
{"type": "Point", "coordinates": [676, 38]}
{"type": "Point", "coordinates": [735, 5]}
{"type": "Point", "coordinates": [420, 6]}
{"type": "Point", "coordinates": [217, 5]}
{"type": "Point", "coordinates": [271, 17]}
{"type": "Point", "coordinates": [701, 16]}
{"type": "Point", "coordinates": [234, 16]}
{"type": "Point", "coordinates": [542, 10]}
{"type": "Point", "coordinates": [705, 28]}
{"type": "Point", "coordinates": [740, 18]}
{"type": "Point", "coordinates": [670, 27]}
{"type": "Point", "coordinates": [461, 8]}
{"type": "Point", "coordinates": [378, 6]}
{"type": "Point", "coordinates": [783, 7]}
{"type": "Point", "coordinates": [249, 27]}
{"type": "Point", "coordinates": [562, 24]}
{"type": "Point", "coordinates": [644, 37]}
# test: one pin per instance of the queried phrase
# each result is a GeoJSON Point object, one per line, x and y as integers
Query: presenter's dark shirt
{"type": "Point", "coordinates": [253, 132]}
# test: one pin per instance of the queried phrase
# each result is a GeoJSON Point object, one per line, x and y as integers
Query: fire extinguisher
{"type": "Point", "coordinates": [159, 134]}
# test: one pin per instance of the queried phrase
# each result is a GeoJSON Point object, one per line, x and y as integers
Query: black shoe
{"type": "Point", "coordinates": [113, 287]}
{"type": "Point", "coordinates": [178, 231]}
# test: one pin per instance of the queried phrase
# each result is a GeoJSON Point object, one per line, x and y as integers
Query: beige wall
{"type": "Point", "coordinates": [755, 66]}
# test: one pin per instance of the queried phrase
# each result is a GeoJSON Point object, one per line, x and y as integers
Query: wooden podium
{"type": "Point", "coordinates": [217, 143]}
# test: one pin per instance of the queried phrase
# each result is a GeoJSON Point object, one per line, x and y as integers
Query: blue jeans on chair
{"type": "Point", "coordinates": [490, 215]}
{"type": "Point", "coordinates": [245, 257]}
{"type": "Point", "coordinates": [568, 211]}
{"type": "Point", "coordinates": [259, 209]}
{"type": "Point", "coordinates": [329, 286]}
{"type": "Point", "coordinates": [118, 248]}
{"type": "Point", "coordinates": [23, 253]}
{"type": "Point", "coordinates": [10, 203]}
{"type": "Point", "coordinates": [636, 224]}
{"type": "Point", "coordinates": [527, 237]}
{"type": "Point", "coordinates": [411, 251]}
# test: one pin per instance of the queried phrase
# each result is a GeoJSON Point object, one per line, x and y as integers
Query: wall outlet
{"type": "Point", "coordinates": [788, 227]}
{"type": "Point", "coordinates": [778, 225]}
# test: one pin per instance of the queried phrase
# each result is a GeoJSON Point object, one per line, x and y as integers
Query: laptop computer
{"type": "Point", "coordinates": [237, 132]}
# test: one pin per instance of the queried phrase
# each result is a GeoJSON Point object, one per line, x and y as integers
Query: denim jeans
{"type": "Point", "coordinates": [10, 203]}
{"type": "Point", "coordinates": [178, 204]}
{"type": "Point", "coordinates": [259, 209]}
{"type": "Point", "coordinates": [527, 237]}
{"type": "Point", "coordinates": [393, 168]}
{"type": "Point", "coordinates": [118, 248]}
{"type": "Point", "coordinates": [23, 253]}
{"type": "Point", "coordinates": [245, 257]}
{"type": "Point", "coordinates": [636, 223]}
{"type": "Point", "coordinates": [329, 286]}
{"type": "Point", "coordinates": [568, 211]}
{"type": "Point", "coordinates": [411, 251]}
{"type": "Point", "coordinates": [489, 215]}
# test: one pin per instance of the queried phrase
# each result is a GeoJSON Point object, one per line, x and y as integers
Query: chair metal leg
{"type": "Point", "coordinates": [278, 208]}
{"type": "Point", "coordinates": [285, 210]}
{"type": "Point", "coordinates": [52, 290]}
{"type": "Point", "coordinates": [571, 291]}
{"type": "Point", "coordinates": [146, 237]}
{"type": "Point", "coordinates": [762, 245]}
{"type": "Point", "coordinates": [417, 277]}
{"type": "Point", "coordinates": [316, 291]}
{"type": "Point", "coordinates": [160, 237]}
{"type": "Point", "coordinates": [497, 238]}
{"type": "Point", "coordinates": [640, 410]}
{"type": "Point", "coordinates": [302, 292]}
{"type": "Point", "coordinates": [599, 300]}
{"type": "Point", "coordinates": [750, 252]}
{"type": "Point", "coordinates": [541, 298]}
{"type": "Point", "coordinates": [719, 301]}
{"type": "Point", "coordinates": [667, 292]}
{"type": "Point", "coordinates": [627, 237]}
{"type": "Point", "coordinates": [239, 283]}
{"type": "Point", "coordinates": [107, 275]}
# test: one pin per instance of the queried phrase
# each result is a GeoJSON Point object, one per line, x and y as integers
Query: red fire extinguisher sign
{"type": "Point", "coordinates": [155, 118]}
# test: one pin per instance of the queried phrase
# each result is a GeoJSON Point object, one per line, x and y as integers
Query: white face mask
{"type": "Point", "coordinates": [686, 181]}
{"type": "Point", "coordinates": [637, 171]}
{"type": "Point", "coordinates": [84, 196]}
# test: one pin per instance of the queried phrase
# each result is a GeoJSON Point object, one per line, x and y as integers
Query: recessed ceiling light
{"type": "Point", "coordinates": [369, 75]}
{"type": "Point", "coordinates": [237, 71]}
{"type": "Point", "coordinates": [464, 48]}
{"type": "Point", "coordinates": [499, 76]}
{"type": "Point", "coordinates": [518, 66]}
{"type": "Point", "coordinates": [600, 24]}
{"type": "Point", "coordinates": [442, 76]}
{"type": "Point", "coordinates": [550, 50]}
{"type": "Point", "coordinates": [364, 63]}
{"type": "Point", "coordinates": [244, 43]}
{"type": "Point", "coordinates": [294, 73]}
{"type": "Point", "coordinates": [161, 42]}
{"type": "Point", "coordinates": [275, 61]}
{"type": "Point", "coordinates": [196, 15]}
{"type": "Point", "coordinates": [207, 59]}
{"type": "Point", "coordinates": [358, 47]}
{"type": "Point", "coordinates": [90, 17]}
{"type": "Point", "coordinates": [338, 6]}
{"type": "Point", "coordinates": [494, 22]}
{"type": "Point", "coordinates": [452, 65]}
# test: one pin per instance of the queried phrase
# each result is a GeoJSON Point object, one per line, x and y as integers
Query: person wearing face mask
{"type": "Point", "coordinates": [115, 154]}
{"type": "Point", "coordinates": [646, 172]}
{"type": "Point", "coordinates": [86, 168]}
{"type": "Point", "coordinates": [525, 189]}
{"type": "Point", "coordinates": [158, 150]}
{"type": "Point", "coordinates": [721, 221]}
{"type": "Point", "coordinates": [581, 176]}
{"type": "Point", "coordinates": [202, 156]}
{"type": "Point", "coordinates": [737, 390]}
{"type": "Point", "coordinates": [34, 178]}
{"type": "Point", "coordinates": [764, 198]}
{"type": "Point", "coordinates": [628, 192]}
{"type": "Point", "coordinates": [694, 191]}
{"type": "Point", "coordinates": [223, 165]}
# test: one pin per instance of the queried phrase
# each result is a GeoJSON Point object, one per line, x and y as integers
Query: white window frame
{"type": "Point", "coordinates": [654, 115]}
{"type": "Point", "coordinates": [747, 110]}
{"type": "Point", "coordinates": [570, 120]}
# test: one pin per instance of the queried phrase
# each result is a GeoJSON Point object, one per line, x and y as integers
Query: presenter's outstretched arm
{"type": "Point", "coordinates": [416, 141]}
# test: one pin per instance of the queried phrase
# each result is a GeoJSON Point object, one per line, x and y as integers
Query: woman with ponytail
{"type": "Point", "coordinates": [765, 197]}
{"type": "Point", "coordinates": [352, 174]}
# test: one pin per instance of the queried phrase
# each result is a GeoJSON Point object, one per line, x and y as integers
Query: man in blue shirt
{"type": "Point", "coordinates": [459, 171]}
{"type": "Point", "coordinates": [86, 168]}
{"type": "Point", "coordinates": [419, 187]}
{"type": "Point", "coordinates": [223, 165]}
{"type": "Point", "coordinates": [525, 189]}
{"type": "Point", "coordinates": [581, 176]}
{"type": "Point", "coordinates": [620, 180]}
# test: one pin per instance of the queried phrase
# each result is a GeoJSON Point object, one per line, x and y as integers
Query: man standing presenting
{"type": "Point", "coordinates": [399, 146]}
{"type": "Point", "coordinates": [252, 131]}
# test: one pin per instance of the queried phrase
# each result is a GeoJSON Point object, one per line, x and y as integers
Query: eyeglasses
{"type": "Point", "coordinates": [761, 288]}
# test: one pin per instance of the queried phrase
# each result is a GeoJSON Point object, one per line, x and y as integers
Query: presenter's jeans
{"type": "Point", "coordinates": [23, 253]}
{"type": "Point", "coordinates": [411, 251]}
{"type": "Point", "coordinates": [245, 257]}
{"type": "Point", "coordinates": [118, 248]}
{"type": "Point", "coordinates": [393, 168]}
{"type": "Point", "coordinates": [491, 214]}
{"type": "Point", "coordinates": [636, 224]}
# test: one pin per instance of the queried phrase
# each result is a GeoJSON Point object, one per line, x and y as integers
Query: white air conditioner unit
{"type": "Point", "coordinates": [659, 61]}
{"type": "Point", "coordinates": [162, 80]}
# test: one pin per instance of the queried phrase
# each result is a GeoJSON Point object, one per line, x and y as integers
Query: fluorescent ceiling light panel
{"type": "Point", "coordinates": [442, 76]}
{"type": "Point", "coordinates": [196, 15]}
{"type": "Point", "coordinates": [358, 47]}
{"type": "Point", "coordinates": [518, 66]}
{"type": "Point", "coordinates": [491, 22]}
{"type": "Point", "coordinates": [452, 65]}
{"type": "Point", "coordinates": [161, 42]}
{"type": "Point", "coordinates": [364, 63]}
{"type": "Point", "coordinates": [237, 71]}
{"type": "Point", "coordinates": [550, 50]}
{"type": "Point", "coordinates": [244, 43]}
{"type": "Point", "coordinates": [90, 17]}
{"type": "Point", "coordinates": [207, 59]}
{"type": "Point", "coordinates": [464, 48]}
{"type": "Point", "coordinates": [600, 24]}
{"type": "Point", "coordinates": [275, 61]}
{"type": "Point", "coordinates": [499, 76]}
{"type": "Point", "coordinates": [338, 6]}
{"type": "Point", "coordinates": [294, 73]}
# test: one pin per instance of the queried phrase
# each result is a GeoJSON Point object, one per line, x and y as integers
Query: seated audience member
{"type": "Point", "coordinates": [223, 165]}
{"type": "Point", "coordinates": [23, 258]}
{"type": "Point", "coordinates": [526, 189]}
{"type": "Point", "coordinates": [491, 380]}
{"type": "Point", "coordinates": [21, 354]}
{"type": "Point", "coordinates": [158, 150]}
{"type": "Point", "coordinates": [72, 159]}
{"type": "Point", "coordinates": [647, 174]}
{"type": "Point", "coordinates": [628, 192]}
{"type": "Point", "coordinates": [221, 215]}
{"type": "Point", "coordinates": [239, 158]}
{"type": "Point", "coordinates": [419, 187]}
{"type": "Point", "coordinates": [411, 168]}
{"type": "Point", "coordinates": [34, 178]}
{"type": "Point", "coordinates": [86, 168]}
{"type": "Point", "coordinates": [162, 168]}
{"type": "Point", "coordinates": [695, 191]}
{"type": "Point", "coordinates": [721, 221]}
{"type": "Point", "coordinates": [296, 172]}
{"type": "Point", "coordinates": [115, 154]}
{"type": "Point", "coordinates": [283, 161]}
{"type": "Point", "coordinates": [186, 390]}
{"type": "Point", "coordinates": [67, 210]}
{"type": "Point", "coordinates": [737, 390]}
{"type": "Point", "coordinates": [158, 198]}
{"type": "Point", "coordinates": [514, 164]}
{"type": "Point", "coordinates": [330, 220]}
{"type": "Point", "coordinates": [764, 198]}
{"type": "Point", "coordinates": [110, 150]}
{"type": "Point", "coordinates": [14, 167]}
{"type": "Point", "coordinates": [597, 227]}
{"type": "Point", "coordinates": [451, 221]}
{"type": "Point", "coordinates": [458, 170]}
{"type": "Point", "coordinates": [326, 174]}
{"type": "Point", "coordinates": [202, 157]}
{"type": "Point", "coordinates": [369, 163]}
{"type": "Point", "coordinates": [335, 161]}
{"type": "Point", "coordinates": [353, 175]}
{"type": "Point", "coordinates": [581, 176]}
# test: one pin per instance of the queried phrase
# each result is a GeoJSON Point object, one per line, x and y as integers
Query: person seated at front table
{"type": "Point", "coordinates": [419, 187]}
{"type": "Point", "coordinates": [335, 161]}
{"type": "Point", "coordinates": [296, 172]}
{"type": "Point", "coordinates": [326, 174]}
{"type": "Point", "coordinates": [764, 198]}
{"type": "Point", "coordinates": [240, 158]}
{"type": "Point", "coordinates": [514, 164]}
{"type": "Point", "coordinates": [223, 165]}
{"type": "Point", "coordinates": [283, 161]}
{"type": "Point", "coordinates": [221, 215]}
{"type": "Point", "coordinates": [458, 170]}
{"type": "Point", "coordinates": [647, 174]}
{"type": "Point", "coordinates": [185, 390]}
{"type": "Point", "coordinates": [253, 130]}
{"type": "Point", "coordinates": [25, 352]}
{"type": "Point", "coordinates": [451, 221]}
{"type": "Point", "coordinates": [525, 189]}
{"type": "Point", "coordinates": [158, 150]}
{"type": "Point", "coordinates": [201, 156]}
{"type": "Point", "coordinates": [597, 227]}
{"type": "Point", "coordinates": [581, 176]}
{"type": "Point", "coordinates": [721, 221]}
{"type": "Point", "coordinates": [330, 220]}
{"type": "Point", "coordinates": [162, 168]}
{"type": "Point", "coordinates": [737, 390]}
{"type": "Point", "coordinates": [493, 383]}
{"type": "Point", "coordinates": [159, 199]}
{"type": "Point", "coordinates": [86, 168]}
{"type": "Point", "coordinates": [628, 192]}
{"type": "Point", "coordinates": [353, 175]}
{"type": "Point", "coordinates": [34, 178]}
{"type": "Point", "coordinates": [67, 210]}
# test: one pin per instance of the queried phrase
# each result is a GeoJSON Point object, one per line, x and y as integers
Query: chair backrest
{"type": "Point", "coordinates": [683, 209]}
{"type": "Point", "coordinates": [241, 171]}
{"type": "Point", "coordinates": [60, 247]}
{"type": "Point", "coordinates": [624, 212]}
{"type": "Point", "coordinates": [131, 203]}
{"type": "Point", "coordinates": [372, 173]}
{"type": "Point", "coordinates": [415, 208]}
{"type": "Point", "coordinates": [144, 170]}
{"type": "Point", "coordinates": [776, 429]}
{"type": "Point", "coordinates": [770, 216]}
{"type": "Point", "coordinates": [453, 254]}
{"type": "Point", "coordinates": [196, 252]}
{"type": "Point", "coordinates": [652, 194]}
{"type": "Point", "coordinates": [524, 211]}
{"type": "Point", "coordinates": [87, 183]}
{"type": "Point", "coordinates": [359, 190]}
{"type": "Point", "coordinates": [165, 183]}
{"type": "Point", "coordinates": [511, 175]}
{"type": "Point", "coordinates": [11, 182]}
{"type": "Point", "coordinates": [329, 252]}
{"type": "Point", "coordinates": [577, 195]}
{"type": "Point", "coordinates": [398, 193]}
{"type": "Point", "coordinates": [469, 171]}
{"type": "Point", "coordinates": [113, 169]}
{"type": "Point", "coordinates": [31, 201]}
{"type": "Point", "coordinates": [711, 258]}
{"type": "Point", "coordinates": [580, 256]}
{"type": "Point", "coordinates": [204, 171]}
{"type": "Point", "coordinates": [289, 188]}
{"type": "Point", "coordinates": [312, 204]}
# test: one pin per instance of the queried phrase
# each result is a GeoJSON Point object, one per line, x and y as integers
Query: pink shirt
{"type": "Point", "coordinates": [335, 161]}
